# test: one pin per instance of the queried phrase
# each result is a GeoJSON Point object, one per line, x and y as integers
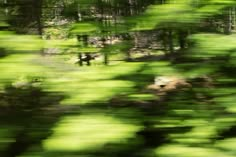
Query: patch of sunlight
{"type": "Point", "coordinates": [228, 102]}
{"type": "Point", "coordinates": [169, 122]}
{"type": "Point", "coordinates": [60, 43]}
{"type": "Point", "coordinates": [184, 112]}
{"type": "Point", "coordinates": [161, 68]}
{"type": "Point", "coordinates": [185, 151]}
{"type": "Point", "coordinates": [76, 133]}
{"type": "Point", "coordinates": [84, 28]}
{"type": "Point", "coordinates": [125, 67]}
{"type": "Point", "coordinates": [231, 109]}
{"type": "Point", "coordinates": [18, 65]}
{"type": "Point", "coordinates": [195, 122]}
{"type": "Point", "coordinates": [227, 144]}
{"type": "Point", "coordinates": [106, 84]}
{"type": "Point", "coordinates": [91, 84]}
{"type": "Point", "coordinates": [92, 74]}
{"type": "Point", "coordinates": [104, 72]}
{"type": "Point", "coordinates": [206, 131]}
{"type": "Point", "coordinates": [87, 91]}
{"type": "Point", "coordinates": [199, 70]}
{"type": "Point", "coordinates": [20, 42]}
{"type": "Point", "coordinates": [225, 121]}
{"type": "Point", "coordinates": [201, 133]}
{"type": "Point", "coordinates": [85, 96]}
{"type": "Point", "coordinates": [82, 85]}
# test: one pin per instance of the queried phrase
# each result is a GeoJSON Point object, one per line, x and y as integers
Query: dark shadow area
{"type": "Point", "coordinates": [3, 53]}
{"type": "Point", "coordinates": [28, 113]}
{"type": "Point", "coordinates": [227, 133]}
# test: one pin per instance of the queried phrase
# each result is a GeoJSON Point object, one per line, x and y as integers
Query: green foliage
{"type": "Point", "coordinates": [19, 42]}
{"type": "Point", "coordinates": [82, 28]}
{"type": "Point", "coordinates": [211, 45]}
{"type": "Point", "coordinates": [180, 13]}
{"type": "Point", "coordinates": [119, 47]}
{"type": "Point", "coordinates": [93, 131]}
{"type": "Point", "coordinates": [89, 49]}
{"type": "Point", "coordinates": [186, 151]}
{"type": "Point", "coordinates": [61, 44]}
{"type": "Point", "coordinates": [109, 110]}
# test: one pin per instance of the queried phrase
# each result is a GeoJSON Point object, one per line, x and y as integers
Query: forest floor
{"type": "Point", "coordinates": [110, 116]}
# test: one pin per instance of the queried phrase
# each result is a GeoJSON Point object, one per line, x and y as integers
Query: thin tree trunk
{"type": "Point", "coordinates": [170, 41]}
{"type": "Point", "coordinates": [38, 15]}
{"type": "Point", "coordinates": [80, 59]}
{"type": "Point", "coordinates": [106, 59]}
{"type": "Point", "coordinates": [182, 39]}
{"type": "Point", "coordinates": [228, 21]}
{"type": "Point", "coordinates": [233, 18]}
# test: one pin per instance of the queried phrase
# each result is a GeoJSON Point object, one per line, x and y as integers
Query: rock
{"type": "Point", "coordinates": [163, 84]}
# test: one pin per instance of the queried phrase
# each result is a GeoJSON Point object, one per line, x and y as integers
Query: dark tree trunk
{"type": "Point", "coordinates": [80, 59]}
{"type": "Point", "coordinates": [182, 39]}
{"type": "Point", "coordinates": [38, 15]}
{"type": "Point", "coordinates": [106, 59]}
{"type": "Point", "coordinates": [228, 21]}
{"type": "Point", "coordinates": [170, 41]}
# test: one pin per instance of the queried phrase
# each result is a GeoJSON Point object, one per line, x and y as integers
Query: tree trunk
{"type": "Point", "coordinates": [106, 58]}
{"type": "Point", "coordinates": [228, 21]}
{"type": "Point", "coordinates": [80, 59]}
{"type": "Point", "coordinates": [37, 15]}
{"type": "Point", "coordinates": [170, 41]}
{"type": "Point", "coordinates": [182, 39]}
{"type": "Point", "coordinates": [233, 18]}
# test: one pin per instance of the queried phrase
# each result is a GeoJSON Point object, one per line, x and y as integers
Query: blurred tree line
{"type": "Point", "coordinates": [170, 22]}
